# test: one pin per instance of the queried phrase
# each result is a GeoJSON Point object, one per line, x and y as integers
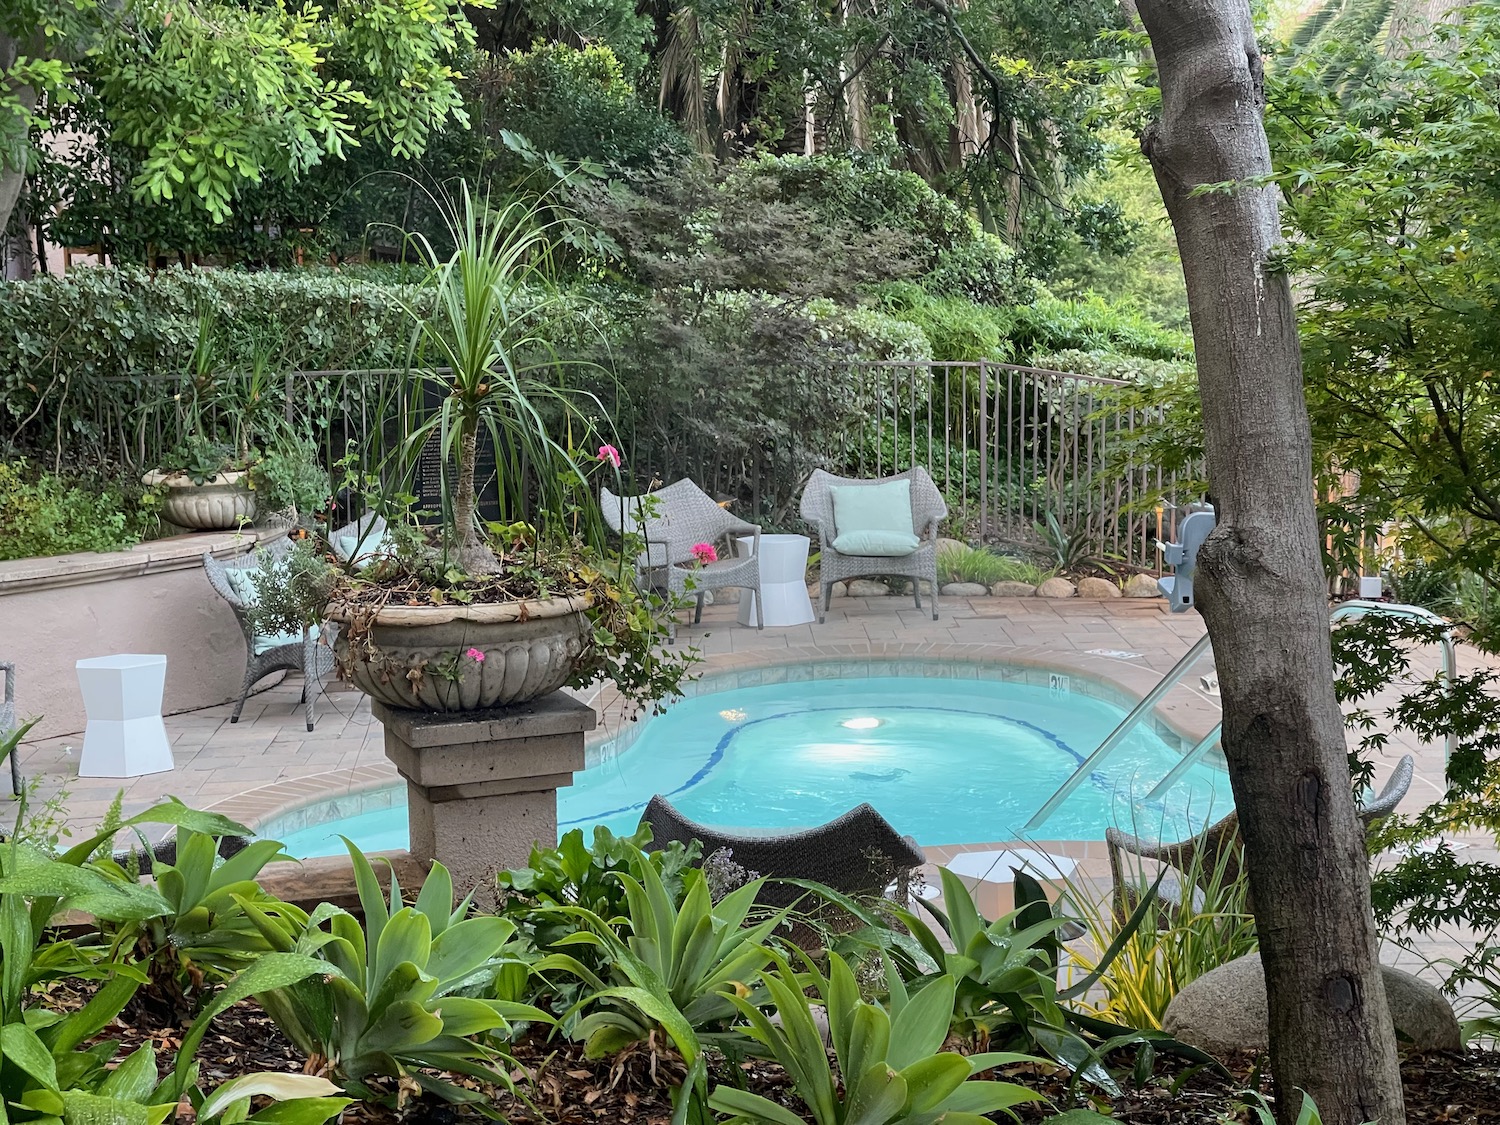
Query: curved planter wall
{"type": "Point", "coordinates": [153, 598]}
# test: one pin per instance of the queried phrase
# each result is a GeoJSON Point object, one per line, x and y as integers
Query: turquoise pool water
{"type": "Point", "coordinates": [944, 760]}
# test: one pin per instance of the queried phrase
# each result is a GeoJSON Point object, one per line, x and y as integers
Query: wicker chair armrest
{"type": "Point", "coordinates": [915, 847]}
{"type": "Point", "coordinates": [1123, 843]}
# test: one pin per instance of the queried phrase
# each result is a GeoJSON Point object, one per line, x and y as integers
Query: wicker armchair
{"type": "Point", "coordinates": [8, 723]}
{"type": "Point", "coordinates": [684, 515]}
{"type": "Point", "coordinates": [306, 655]}
{"type": "Point", "coordinates": [927, 511]}
{"type": "Point", "coordinates": [859, 853]}
{"type": "Point", "coordinates": [1216, 852]}
{"type": "Point", "coordinates": [367, 533]}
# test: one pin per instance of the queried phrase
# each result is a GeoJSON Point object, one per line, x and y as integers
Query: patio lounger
{"type": "Point", "coordinates": [859, 853]}
{"type": "Point", "coordinates": [1217, 845]}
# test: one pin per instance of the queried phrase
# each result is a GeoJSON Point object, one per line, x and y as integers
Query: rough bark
{"type": "Point", "coordinates": [1260, 581]}
{"type": "Point", "coordinates": [12, 178]}
{"type": "Point", "coordinates": [475, 554]}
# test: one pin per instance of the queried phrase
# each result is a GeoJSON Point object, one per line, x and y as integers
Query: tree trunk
{"type": "Point", "coordinates": [475, 554]}
{"type": "Point", "coordinates": [1260, 578]}
{"type": "Point", "coordinates": [12, 179]}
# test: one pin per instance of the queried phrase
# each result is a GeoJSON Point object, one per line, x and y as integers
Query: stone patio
{"type": "Point", "coordinates": [268, 762]}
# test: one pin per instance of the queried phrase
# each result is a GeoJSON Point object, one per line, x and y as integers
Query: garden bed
{"type": "Point", "coordinates": [557, 1085]}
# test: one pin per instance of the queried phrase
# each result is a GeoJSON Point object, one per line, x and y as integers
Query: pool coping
{"type": "Point", "coordinates": [1123, 681]}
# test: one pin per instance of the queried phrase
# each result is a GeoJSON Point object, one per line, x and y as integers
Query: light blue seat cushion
{"type": "Point", "coordinates": [874, 519]}
{"type": "Point", "coordinates": [264, 644]}
{"type": "Point", "coordinates": [242, 580]}
{"type": "Point", "coordinates": [889, 544]}
{"type": "Point", "coordinates": [346, 546]}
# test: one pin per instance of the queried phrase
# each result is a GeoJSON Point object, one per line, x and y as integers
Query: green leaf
{"type": "Point", "coordinates": [282, 1087]}
{"type": "Point", "coordinates": [20, 1045]}
{"type": "Point", "coordinates": [753, 1107]}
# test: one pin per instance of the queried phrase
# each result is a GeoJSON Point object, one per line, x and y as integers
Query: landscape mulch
{"type": "Point", "coordinates": [556, 1085]}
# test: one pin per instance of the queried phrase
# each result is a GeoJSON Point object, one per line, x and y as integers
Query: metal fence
{"type": "Point", "coordinates": [1010, 446]}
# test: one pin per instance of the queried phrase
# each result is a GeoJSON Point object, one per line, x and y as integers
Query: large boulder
{"type": "Point", "coordinates": [1225, 1010]}
{"type": "Point", "coordinates": [1013, 590]}
{"type": "Point", "coordinates": [1056, 588]}
{"type": "Point", "coordinates": [1142, 586]}
{"type": "Point", "coordinates": [946, 544]}
{"type": "Point", "coordinates": [867, 588]}
{"type": "Point", "coordinates": [965, 590]}
{"type": "Point", "coordinates": [1097, 588]}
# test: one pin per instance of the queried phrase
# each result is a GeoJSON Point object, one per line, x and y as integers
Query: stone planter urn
{"type": "Point", "coordinates": [458, 658]}
{"type": "Point", "coordinates": [474, 721]}
{"type": "Point", "coordinates": [221, 503]}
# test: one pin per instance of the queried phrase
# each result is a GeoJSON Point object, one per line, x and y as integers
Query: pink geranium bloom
{"type": "Point", "coordinates": [475, 655]}
{"type": "Point", "coordinates": [705, 553]}
{"type": "Point", "coordinates": [611, 454]}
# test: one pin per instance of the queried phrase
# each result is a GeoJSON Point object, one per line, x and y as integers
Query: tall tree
{"type": "Point", "coordinates": [1260, 576]}
{"type": "Point", "coordinates": [214, 95]}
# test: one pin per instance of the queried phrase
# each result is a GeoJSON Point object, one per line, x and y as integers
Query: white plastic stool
{"type": "Point", "coordinates": [125, 736]}
{"type": "Point", "coordinates": [783, 580]}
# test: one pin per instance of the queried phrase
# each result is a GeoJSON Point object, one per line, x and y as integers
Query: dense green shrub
{"type": "Point", "coordinates": [985, 270]}
{"type": "Point", "coordinates": [1113, 365]}
{"type": "Point", "coordinates": [576, 104]}
{"type": "Point", "coordinates": [868, 196]}
{"type": "Point", "coordinates": [83, 356]}
{"type": "Point", "coordinates": [1093, 325]}
{"type": "Point", "coordinates": [42, 514]}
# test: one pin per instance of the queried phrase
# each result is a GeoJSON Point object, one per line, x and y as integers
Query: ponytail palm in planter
{"type": "Point", "coordinates": [471, 615]}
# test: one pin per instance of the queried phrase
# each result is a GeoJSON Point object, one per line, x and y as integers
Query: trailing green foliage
{"type": "Point", "coordinates": [890, 1064]}
{"type": "Point", "coordinates": [45, 514]}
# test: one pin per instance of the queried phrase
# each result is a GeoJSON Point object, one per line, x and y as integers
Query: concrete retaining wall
{"type": "Point", "coordinates": [153, 598]}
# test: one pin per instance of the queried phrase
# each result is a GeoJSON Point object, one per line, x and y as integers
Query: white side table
{"type": "Point", "coordinates": [783, 580]}
{"type": "Point", "coordinates": [125, 736]}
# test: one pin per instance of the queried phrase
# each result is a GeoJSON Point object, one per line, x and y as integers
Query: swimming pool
{"type": "Point", "coordinates": [946, 761]}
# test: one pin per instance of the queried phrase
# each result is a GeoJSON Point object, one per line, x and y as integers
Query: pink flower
{"type": "Point", "coordinates": [475, 655]}
{"type": "Point", "coordinates": [611, 454]}
{"type": "Point", "coordinates": [705, 553]}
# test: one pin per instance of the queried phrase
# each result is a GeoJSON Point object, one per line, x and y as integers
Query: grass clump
{"type": "Point", "coordinates": [978, 564]}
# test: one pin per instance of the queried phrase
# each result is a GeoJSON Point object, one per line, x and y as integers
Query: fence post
{"type": "Point", "coordinates": [984, 456]}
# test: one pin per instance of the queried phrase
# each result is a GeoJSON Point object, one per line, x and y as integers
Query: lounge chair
{"type": "Point", "coordinates": [859, 853]}
{"type": "Point", "coordinates": [1216, 852]}
{"type": "Point", "coordinates": [234, 582]}
{"type": "Point", "coordinates": [679, 517]}
{"type": "Point", "coordinates": [889, 532]}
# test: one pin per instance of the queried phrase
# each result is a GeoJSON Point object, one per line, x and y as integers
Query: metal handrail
{"type": "Point", "coordinates": [1116, 736]}
{"type": "Point", "coordinates": [1355, 608]}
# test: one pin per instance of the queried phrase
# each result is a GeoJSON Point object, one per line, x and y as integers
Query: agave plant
{"type": "Point", "coordinates": [396, 997]}
{"type": "Point", "coordinates": [891, 1068]}
{"type": "Point", "coordinates": [678, 970]}
{"type": "Point", "coordinates": [202, 932]}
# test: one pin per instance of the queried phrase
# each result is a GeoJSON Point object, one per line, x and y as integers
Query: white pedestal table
{"type": "Point", "coordinates": [125, 736]}
{"type": "Point", "coordinates": [783, 580]}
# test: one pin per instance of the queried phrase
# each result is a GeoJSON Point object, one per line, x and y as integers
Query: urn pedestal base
{"type": "Point", "coordinates": [482, 785]}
